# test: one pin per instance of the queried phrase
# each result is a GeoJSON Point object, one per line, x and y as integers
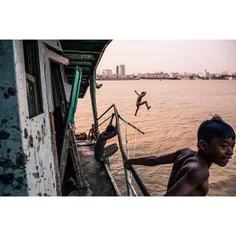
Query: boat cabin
{"type": "Point", "coordinates": [40, 83]}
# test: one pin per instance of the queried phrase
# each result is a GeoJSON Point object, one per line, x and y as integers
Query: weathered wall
{"type": "Point", "coordinates": [13, 159]}
{"type": "Point", "coordinates": [37, 144]}
{"type": "Point", "coordinates": [29, 139]}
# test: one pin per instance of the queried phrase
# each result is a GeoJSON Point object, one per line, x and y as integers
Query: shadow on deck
{"type": "Point", "coordinates": [94, 172]}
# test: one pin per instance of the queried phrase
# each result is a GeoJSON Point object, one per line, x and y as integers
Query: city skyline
{"type": "Point", "coordinates": [150, 56]}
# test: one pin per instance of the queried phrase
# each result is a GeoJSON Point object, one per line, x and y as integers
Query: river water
{"type": "Point", "coordinates": [177, 109]}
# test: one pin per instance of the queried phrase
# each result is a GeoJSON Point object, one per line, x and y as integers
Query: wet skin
{"type": "Point", "coordinates": [190, 174]}
{"type": "Point", "coordinates": [190, 171]}
{"type": "Point", "coordinates": [139, 98]}
{"type": "Point", "coordinates": [139, 103]}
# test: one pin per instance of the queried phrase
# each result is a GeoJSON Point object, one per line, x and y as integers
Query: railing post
{"type": "Point", "coordinates": [93, 100]}
{"type": "Point", "coordinates": [129, 191]}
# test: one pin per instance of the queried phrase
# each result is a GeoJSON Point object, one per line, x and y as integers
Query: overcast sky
{"type": "Point", "coordinates": [170, 56]}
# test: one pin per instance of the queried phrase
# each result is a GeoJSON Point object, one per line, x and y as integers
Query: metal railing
{"type": "Point", "coordinates": [130, 189]}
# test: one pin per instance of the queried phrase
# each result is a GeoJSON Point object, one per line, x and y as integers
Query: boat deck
{"type": "Point", "coordinates": [95, 173]}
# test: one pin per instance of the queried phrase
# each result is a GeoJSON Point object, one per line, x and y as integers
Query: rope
{"type": "Point", "coordinates": [126, 139]}
{"type": "Point", "coordinates": [130, 124]}
{"type": "Point", "coordinates": [132, 156]}
{"type": "Point", "coordinates": [134, 147]}
{"type": "Point", "coordinates": [129, 176]}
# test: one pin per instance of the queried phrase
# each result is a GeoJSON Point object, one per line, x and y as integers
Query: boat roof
{"type": "Point", "coordinates": [84, 53]}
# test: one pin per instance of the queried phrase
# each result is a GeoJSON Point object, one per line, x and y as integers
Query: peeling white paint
{"type": "Point", "coordinates": [49, 55]}
{"type": "Point", "coordinates": [30, 139]}
{"type": "Point", "coordinates": [40, 167]}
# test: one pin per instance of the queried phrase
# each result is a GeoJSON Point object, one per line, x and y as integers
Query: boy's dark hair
{"type": "Point", "coordinates": [215, 127]}
{"type": "Point", "coordinates": [110, 128]}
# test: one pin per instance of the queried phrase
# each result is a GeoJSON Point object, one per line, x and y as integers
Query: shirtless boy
{"type": "Point", "coordinates": [139, 101]}
{"type": "Point", "coordinates": [102, 152]}
{"type": "Point", "coordinates": [190, 172]}
{"type": "Point", "coordinates": [92, 133]}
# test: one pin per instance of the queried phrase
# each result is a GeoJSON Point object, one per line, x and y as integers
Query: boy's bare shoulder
{"type": "Point", "coordinates": [185, 151]}
{"type": "Point", "coordinates": [192, 165]}
{"type": "Point", "coordinates": [198, 172]}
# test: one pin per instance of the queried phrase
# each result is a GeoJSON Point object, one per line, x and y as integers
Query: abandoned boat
{"type": "Point", "coordinates": [40, 84]}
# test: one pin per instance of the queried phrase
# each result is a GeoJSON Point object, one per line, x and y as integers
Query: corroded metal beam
{"type": "Point", "coordinates": [80, 57]}
{"type": "Point", "coordinates": [82, 63]}
{"type": "Point", "coordinates": [77, 51]}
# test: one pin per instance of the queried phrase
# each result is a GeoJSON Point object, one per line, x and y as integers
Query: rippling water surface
{"type": "Point", "coordinates": [177, 109]}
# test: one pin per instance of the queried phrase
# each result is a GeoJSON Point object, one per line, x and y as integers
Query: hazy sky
{"type": "Point", "coordinates": [170, 56]}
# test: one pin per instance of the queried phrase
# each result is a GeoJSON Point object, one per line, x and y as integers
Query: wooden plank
{"type": "Point", "coordinates": [55, 154]}
{"type": "Point", "coordinates": [112, 179]}
{"type": "Point", "coordinates": [56, 57]}
{"type": "Point", "coordinates": [64, 154]}
{"type": "Point", "coordinates": [76, 161]}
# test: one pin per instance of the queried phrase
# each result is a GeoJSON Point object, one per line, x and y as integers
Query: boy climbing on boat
{"type": "Point", "coordinates": [92, 133]}
{"type": "Point", "coordinates": [139, 101]}
{"type": "Point", "coordinates": [102, 152]}
{"type": "Point", "coordinates": [190, 171]}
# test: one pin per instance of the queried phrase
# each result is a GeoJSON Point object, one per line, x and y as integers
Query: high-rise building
{"type": "Point", "coordinates": [120, 70]}
{"type": "Point", "coordinates": [117, 70]}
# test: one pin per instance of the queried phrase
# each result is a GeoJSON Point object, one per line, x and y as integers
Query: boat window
{"type": "Point", "coordinates": [33, 84]}
{"type": "Point", "coordinates": [57, 84]}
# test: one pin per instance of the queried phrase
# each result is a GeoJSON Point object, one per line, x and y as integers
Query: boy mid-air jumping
{"type": "Point", "coordinates": [139, 101]}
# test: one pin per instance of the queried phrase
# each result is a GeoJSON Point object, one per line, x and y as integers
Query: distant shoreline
{"type": "Point", "coordinates": [115, 79]}
{"type": "Point", "coordinates": [163, 79]}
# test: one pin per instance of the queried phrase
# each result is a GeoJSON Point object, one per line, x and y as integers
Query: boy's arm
{"type": "Point", "coordinates": [155, 160]}
{"type": "Point", "coordinates": [111, 135]}
{"type": "Point", "coordinates": [90, 132]}
{"type": "Point", "coordinates": [144, 94]}
{"type": "Point", "coordinates": [188, 183]}
{"type": "Point", "coordinates": [136, 92]}
{"type": "Point", "coordinates": [112, 117]}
